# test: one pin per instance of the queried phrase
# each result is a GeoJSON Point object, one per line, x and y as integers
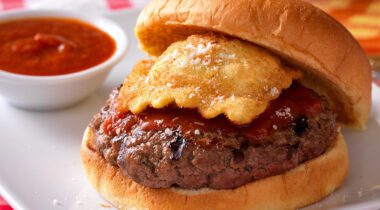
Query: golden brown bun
{"type": "Point", "coordinates": [300, 33]}
{"type": "Point", "coordinates": [306, 184]}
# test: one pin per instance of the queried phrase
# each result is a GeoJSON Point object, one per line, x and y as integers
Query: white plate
{"type": "Point", "coordinates": [40, 164]}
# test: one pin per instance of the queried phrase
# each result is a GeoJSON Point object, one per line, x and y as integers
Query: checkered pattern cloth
{"type": "Point", "coordinates": [94, 5]}
{"type": "Point", "coordinates": [4, 205]}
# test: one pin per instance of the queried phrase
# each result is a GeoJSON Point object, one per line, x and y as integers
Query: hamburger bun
{"type": "Point", "coordinates": [304, 36]}
{"type": "Point", "coordinates": [305, 184]}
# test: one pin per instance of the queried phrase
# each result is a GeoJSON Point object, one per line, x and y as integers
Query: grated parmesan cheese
{"type": "Point", "coordinates": [273, 91]}
{"type": "Point", "coordinates": [159, 122]}
{"type": "Point", "coordinates": [285, 112]}
{"type": "Point", "coordinates": [168, 131]}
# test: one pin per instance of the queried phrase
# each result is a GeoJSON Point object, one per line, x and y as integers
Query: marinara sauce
{"type": "Point", "coordinates": [52, 46]}
{"type": "Point", "coordinates": [294, 102]}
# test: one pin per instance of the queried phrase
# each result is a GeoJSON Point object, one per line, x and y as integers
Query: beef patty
{"type": "Point", "coordinates": [160, 148]}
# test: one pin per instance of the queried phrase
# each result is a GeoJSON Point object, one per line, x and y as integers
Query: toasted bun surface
{"type": "Point", "coordinates": [306, 184]}
{"type": "Point", "coordinates": [301, 34]}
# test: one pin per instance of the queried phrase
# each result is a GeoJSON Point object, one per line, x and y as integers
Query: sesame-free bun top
{"type": "Point", "coordinates": [303, 36]}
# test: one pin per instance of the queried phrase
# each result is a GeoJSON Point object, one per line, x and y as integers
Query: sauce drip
{"type": "Point", "coordinates": [295, 103]}
{"type": "Point", "coordinates": [52, 46]}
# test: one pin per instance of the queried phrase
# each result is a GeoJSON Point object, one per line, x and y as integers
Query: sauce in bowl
{"type": "Point", "coordinates": [52, 46]}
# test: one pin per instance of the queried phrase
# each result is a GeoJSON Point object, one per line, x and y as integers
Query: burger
{"type": "Point", "coordinates": [239, 107]}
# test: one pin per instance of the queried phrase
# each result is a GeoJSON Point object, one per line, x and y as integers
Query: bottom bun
{"type": "Point", "coordinates": [303, 185]}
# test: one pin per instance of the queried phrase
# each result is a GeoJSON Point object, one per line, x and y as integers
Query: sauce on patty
{"type": "Point", "coordinates": [294, 106]}
{"type": "Point", "coordinates": [52, 46]}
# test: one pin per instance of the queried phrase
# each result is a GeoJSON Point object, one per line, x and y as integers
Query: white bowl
{"type": "Point", "coordinates": [54, 92]}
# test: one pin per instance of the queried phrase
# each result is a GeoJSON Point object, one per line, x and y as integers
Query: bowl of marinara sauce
{"type": "Point", "coordinates": [53, 59]}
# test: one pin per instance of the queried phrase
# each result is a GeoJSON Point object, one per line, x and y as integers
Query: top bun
{"type": "Point", "coordinates": [305, 37]}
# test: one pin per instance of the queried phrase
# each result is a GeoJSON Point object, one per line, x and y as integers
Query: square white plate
{"type": "Point", "coordinates": [40, 166]}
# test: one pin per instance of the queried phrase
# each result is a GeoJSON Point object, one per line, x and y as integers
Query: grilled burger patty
{"type": "Point", "coordinates": [160, 148]}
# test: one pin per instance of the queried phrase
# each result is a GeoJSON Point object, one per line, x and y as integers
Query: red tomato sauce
{"type": "Point", "coordinates": [52, 46]}
{"type": "Point", "coordinates": [294, 102]}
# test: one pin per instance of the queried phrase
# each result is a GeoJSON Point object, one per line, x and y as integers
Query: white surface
{"type": "Point", "coordinates": [40, 162]}
{"type": "Point", "coordinates": [52, 92]}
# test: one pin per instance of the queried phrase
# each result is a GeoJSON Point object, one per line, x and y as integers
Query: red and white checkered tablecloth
{"type": "Point", "coordinates": [4, 205]}
{"type": "Point", "coordinates": [93, 6]}
{"type": "Point", "coordinates": [72, 4]}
